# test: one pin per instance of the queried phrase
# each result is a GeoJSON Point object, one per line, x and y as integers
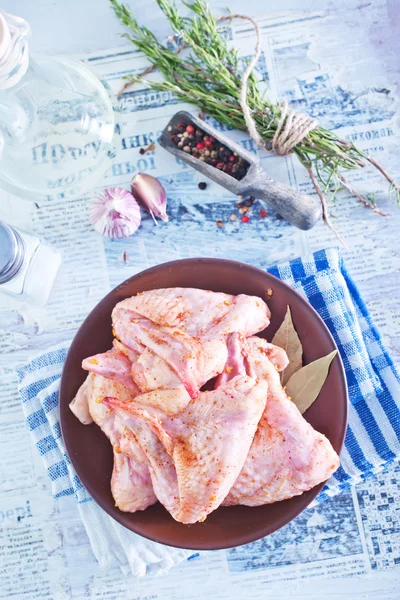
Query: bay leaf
{"type": "Point", "coordinates": [286, 337]}
{"type": "Point", "coordinates": [305, 385]}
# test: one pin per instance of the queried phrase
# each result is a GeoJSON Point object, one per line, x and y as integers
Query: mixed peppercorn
{"type": "Point", "coordinates": [207, 148]}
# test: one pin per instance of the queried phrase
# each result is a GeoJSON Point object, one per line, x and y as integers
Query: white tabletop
{"type": "Point", "coordinates": [88, 25]}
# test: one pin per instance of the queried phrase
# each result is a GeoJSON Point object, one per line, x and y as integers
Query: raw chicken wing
{"type": "Point", "coordinates": [200, 450]}
{"type": "Point", "coordinates": [131, 484]}
{"type": "Point", "coordinates": [287, 456]}
{"type": "Point", "coordinates": [175, 322]}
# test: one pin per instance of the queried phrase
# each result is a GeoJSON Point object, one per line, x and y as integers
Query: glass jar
{"type": "Point", "coordinates": [28, 265]}
{"type": "Point", "coordinates": [56, 120]}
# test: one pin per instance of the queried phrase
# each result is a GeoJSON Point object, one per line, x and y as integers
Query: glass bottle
{"type": "Point", "coordinates": [56, 120]}
{"type": "Point", "coordinates": [28, 265]}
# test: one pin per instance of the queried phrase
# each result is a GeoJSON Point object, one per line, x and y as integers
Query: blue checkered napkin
{"type": "Point", "coordinates": [112, 544]}
{"type": "Point", "coordinates": [39, 383]}
{"type": "Point", "coordinates": [373, 435]}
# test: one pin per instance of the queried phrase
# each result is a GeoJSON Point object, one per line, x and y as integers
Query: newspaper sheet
{"type": "Point", "coordinates": [354, 538]}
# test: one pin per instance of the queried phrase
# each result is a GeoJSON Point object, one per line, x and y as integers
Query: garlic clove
{"type": "Point", "coordinates": [115, 213]}
{"type": "Point", "coordinates": [149, 192]}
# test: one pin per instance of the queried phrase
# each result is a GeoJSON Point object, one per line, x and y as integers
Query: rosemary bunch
{"type": "Point", "coordinates": [209, 75]}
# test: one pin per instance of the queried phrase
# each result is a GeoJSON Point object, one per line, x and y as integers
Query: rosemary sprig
{"type": "Point", "coordinates": [209, 76]}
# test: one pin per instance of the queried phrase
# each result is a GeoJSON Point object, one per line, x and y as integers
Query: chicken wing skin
{"type": "Point", "coordinates": [112, 364]}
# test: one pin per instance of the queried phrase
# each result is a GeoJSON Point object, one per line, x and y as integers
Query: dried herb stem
{"type": "Point", "coordinates": [361, 198]}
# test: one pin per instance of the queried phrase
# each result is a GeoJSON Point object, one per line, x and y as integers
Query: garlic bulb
{"type": "Point", "coordinates": [149, 192]}
{"type": "Point", "coordinates": [115, 213]}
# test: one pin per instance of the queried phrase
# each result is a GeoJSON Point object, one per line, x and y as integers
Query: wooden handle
{"type": "Point", "coordinates": [298, 209]}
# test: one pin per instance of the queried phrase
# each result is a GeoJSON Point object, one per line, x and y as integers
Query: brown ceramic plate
{"type": "Point", "coordinates": [90, 451]}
